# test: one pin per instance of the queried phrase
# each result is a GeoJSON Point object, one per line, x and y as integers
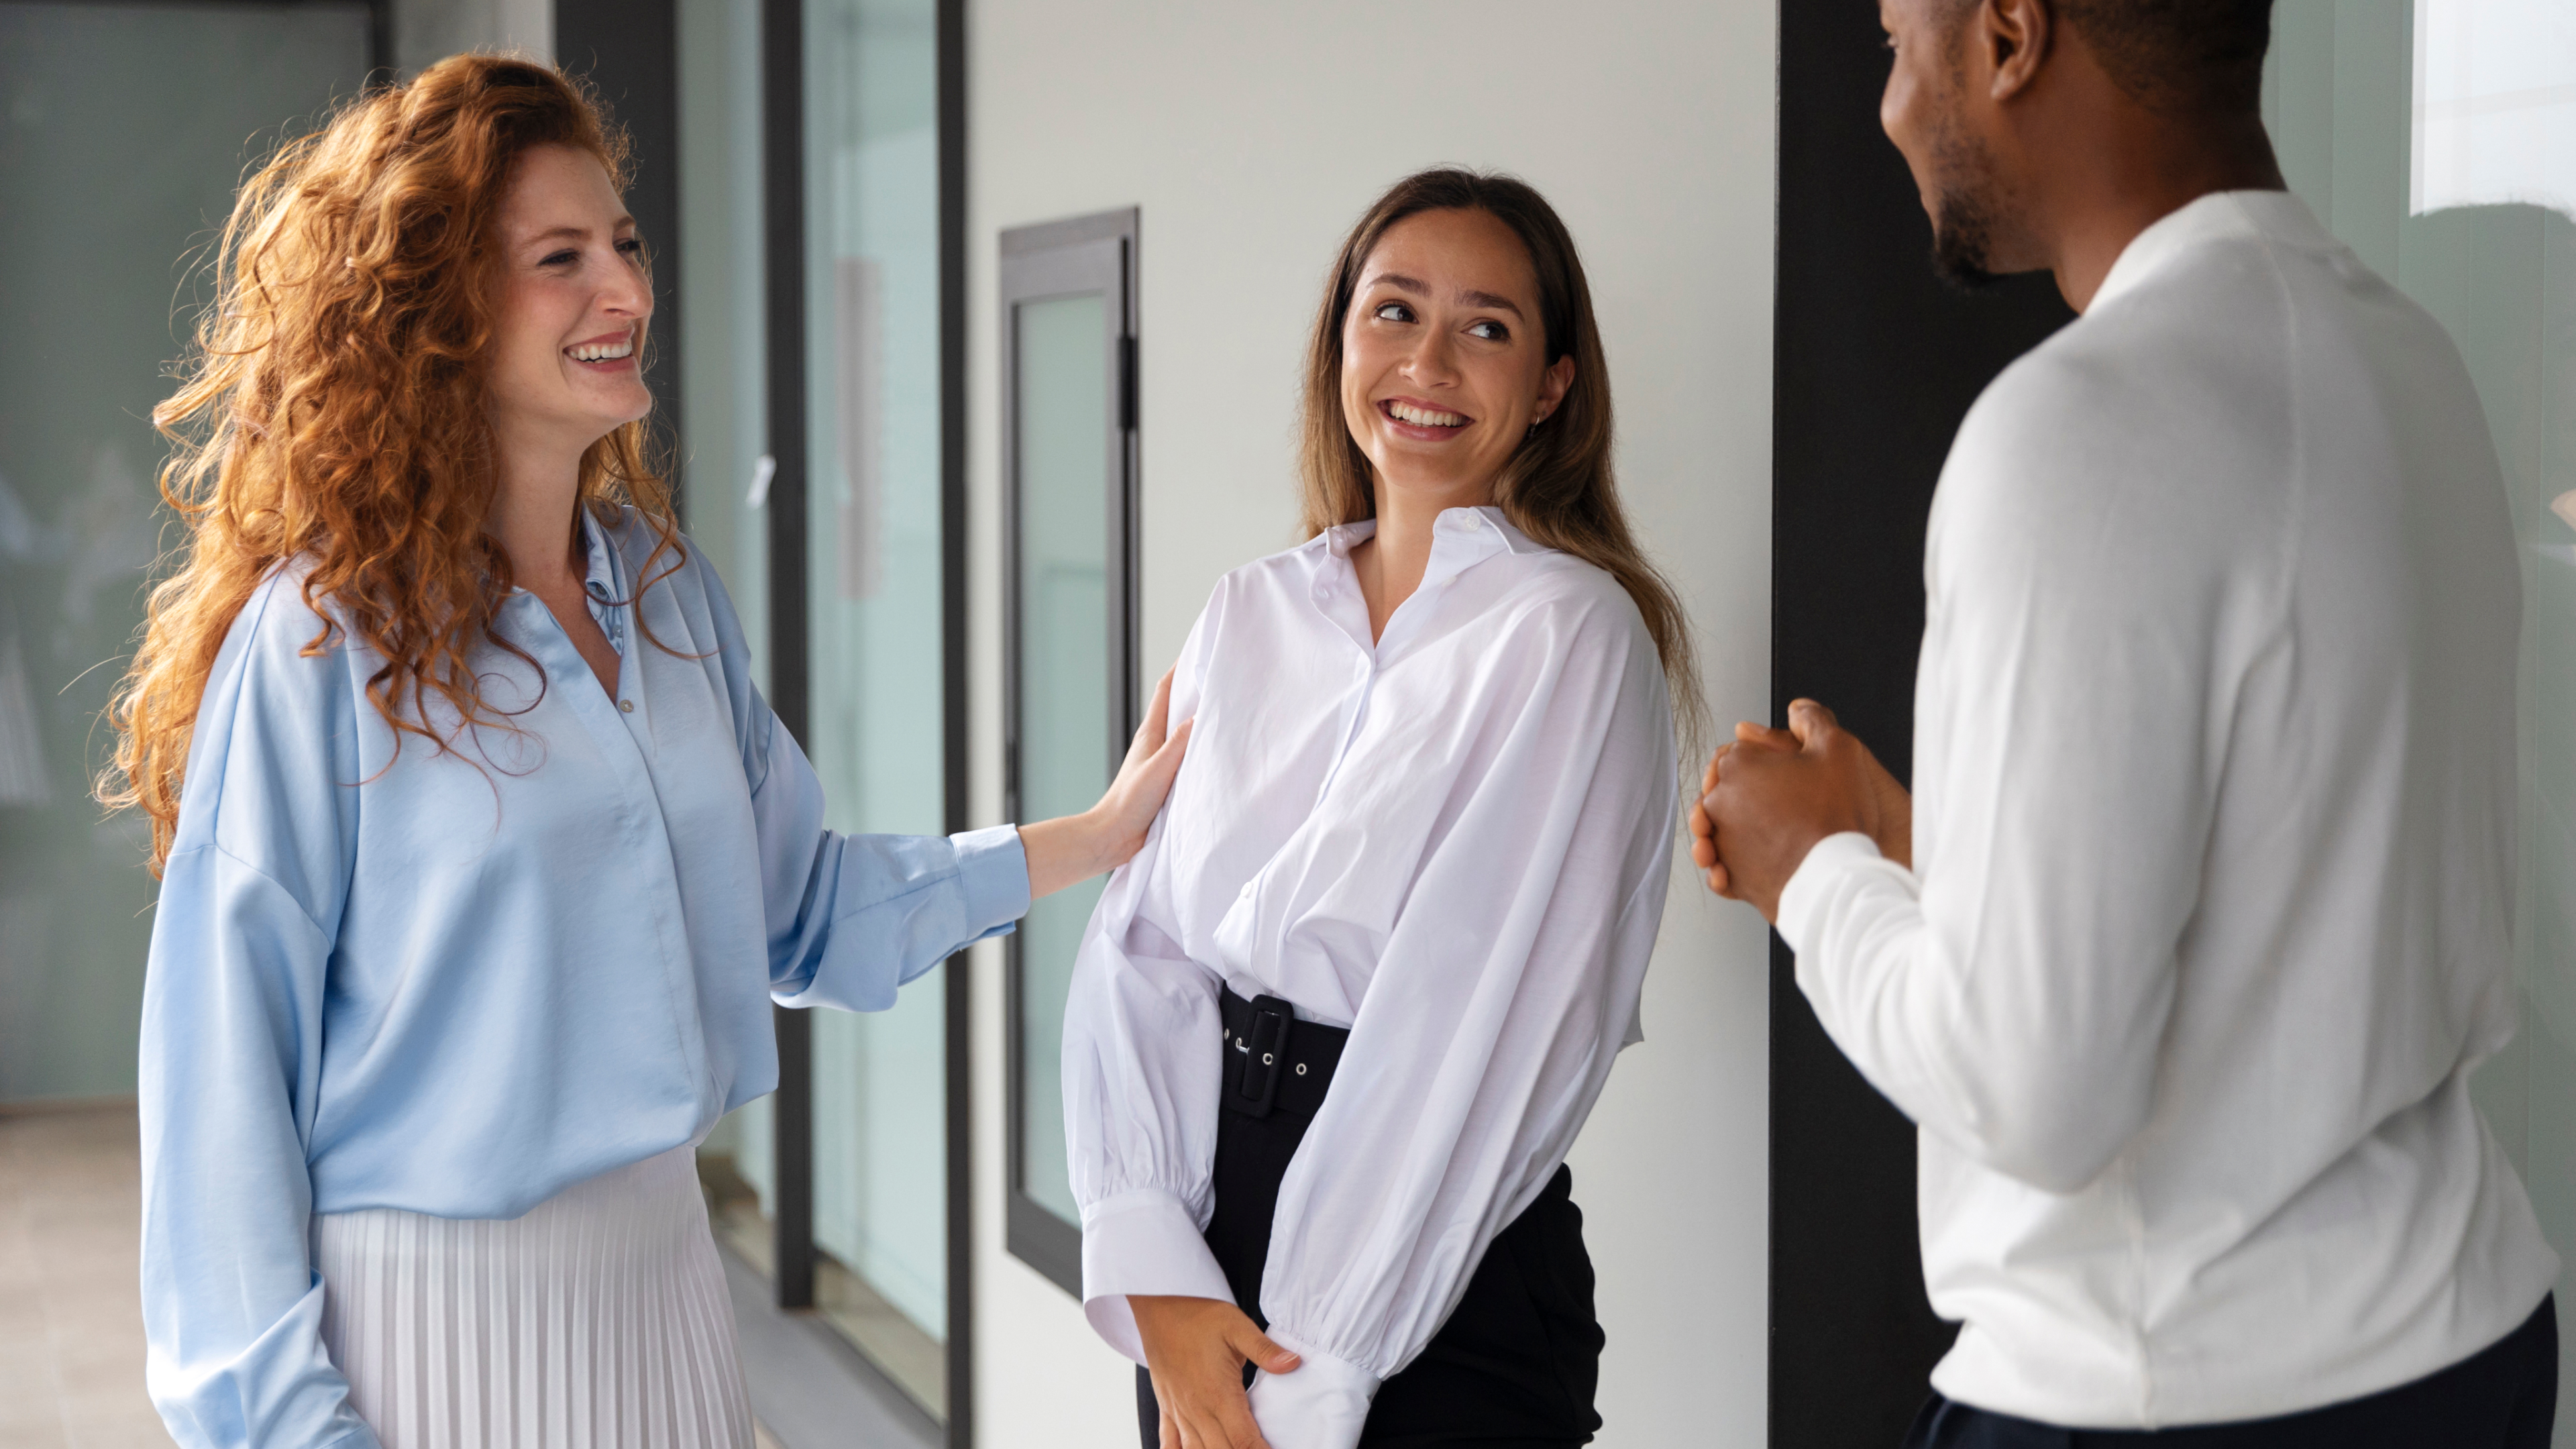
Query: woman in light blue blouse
{"type": "Point", "coordinates": [482, 858]}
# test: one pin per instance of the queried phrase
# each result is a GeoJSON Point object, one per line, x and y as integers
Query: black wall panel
{"type": "Point", "coordinates": [1875, 362]}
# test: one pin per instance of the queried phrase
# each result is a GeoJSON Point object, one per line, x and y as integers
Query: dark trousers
{"type": "Point", "coordinates": [1515, 1365]}
{"type": "Point", "coordinates": [2501, 1398]}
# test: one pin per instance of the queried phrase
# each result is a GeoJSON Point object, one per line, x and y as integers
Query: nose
{"type": "Point", "coordinates": [1434, 360]}
{"type": "Point", "coordinates": [628, 292]}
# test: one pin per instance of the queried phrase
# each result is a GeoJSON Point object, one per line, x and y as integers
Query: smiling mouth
{"type": "Point", "coordinates": [616, 349]}
{"type": "Point", "coordinates": [1414, 415]}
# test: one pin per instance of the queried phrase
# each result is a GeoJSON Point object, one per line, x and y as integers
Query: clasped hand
{"type": "Point", "coordinates": [1770, 794]}
{"type": "Point", "coordinates": [1196, 1349]}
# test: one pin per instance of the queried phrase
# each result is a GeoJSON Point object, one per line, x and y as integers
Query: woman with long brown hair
{"type": "Point", "coordinates": [1410, 876]}
{"type": "Point", "coordinates": [482, 859]}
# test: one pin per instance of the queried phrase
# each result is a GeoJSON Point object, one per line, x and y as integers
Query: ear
{"type": "Point", "coordinates": [2010, 41]}
{"type": "Point", "coordinates": [1552, 386]}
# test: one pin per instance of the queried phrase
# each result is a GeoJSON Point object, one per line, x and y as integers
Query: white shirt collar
{"type": "Point", "coordinates": [1483, 529]}
{"type": "Point", "coordinates": [2276, 215]}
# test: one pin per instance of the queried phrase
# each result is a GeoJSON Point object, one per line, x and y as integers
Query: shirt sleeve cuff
{"type": "Point", "coordinates": [1810, 889]}
{"type": "Point", "coordinates": [993, 877]}
{"type": "Point", "coordinates": [1143, 1241]}
{"type": "Point", "coordinates": [1323, 1403]}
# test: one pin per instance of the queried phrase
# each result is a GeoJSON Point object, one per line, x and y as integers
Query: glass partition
{"type": "Point", "coordinates": [2438, 140]}
{"type": "Point", "coordinates": [872, 329]}
{"type": "Point", "coordinates": [1069, 435]}
{"type": "Point", "coordinates": [123, 132]}
{"type": "Point", "coordinates": [724, 468]}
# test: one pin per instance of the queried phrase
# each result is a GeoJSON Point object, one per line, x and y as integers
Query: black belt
{"type": "Point", "coordinates": [1273, 1061]}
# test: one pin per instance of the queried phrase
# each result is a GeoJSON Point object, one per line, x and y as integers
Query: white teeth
{"type": "Point", "coordinates": [1425, 417]}
{"type": "Point", "coordinates": [602, 351]}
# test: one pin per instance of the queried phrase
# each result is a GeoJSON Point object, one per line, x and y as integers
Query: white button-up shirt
{"type": "Point", "coordinates": [1454, 842]}
{"type": "Point", "coordinates": [2213, 844]}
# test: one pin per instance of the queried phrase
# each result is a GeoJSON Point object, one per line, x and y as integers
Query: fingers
{"type": "Point", "coordinates": [1171, 1431]}
{"type": "Point", "coordinates": [1811, 722]}
{"type": "Point", "coordinates": [1158, 714]}
{"type": "Point", "coordinates": [1763, 736]}
{"type": "Point", "coordinates": [1257, 1349]}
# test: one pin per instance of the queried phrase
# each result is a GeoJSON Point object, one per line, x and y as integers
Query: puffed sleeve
{"type": "Point", "coordinates": [231, 1046]}
{"type": "Point", "coordinates": [1503, 993]}
{"type": "Point", "coordinates": [1140, 1081]}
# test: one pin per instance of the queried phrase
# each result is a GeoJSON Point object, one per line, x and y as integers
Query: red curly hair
{"type": "Point", "coordinates": [333, 409]}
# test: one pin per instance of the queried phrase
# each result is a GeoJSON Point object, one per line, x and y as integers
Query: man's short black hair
{"type": "Point", "coordinates": [2179, 55]}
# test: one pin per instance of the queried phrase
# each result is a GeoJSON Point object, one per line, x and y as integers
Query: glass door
{"type": "Point", "coordinates": [2438, 139]}
{"type": "Point", "coordinates": [1069, 489]}
{"type": "Point", "coordinates": [726, 466]}
{"type": "Point", "coordinates": [876, 647]}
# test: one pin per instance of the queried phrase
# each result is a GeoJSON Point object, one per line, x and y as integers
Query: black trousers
{"type": "Point", "coordinates": [2501, 1398]}
{"type": "Point", "coordinates": [1515, 1365]}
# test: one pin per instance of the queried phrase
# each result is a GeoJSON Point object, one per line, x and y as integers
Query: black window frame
{"type": "Point", "coordinates": [1085, 254]}
{"type": "Point", "coordinates": [782, 79]}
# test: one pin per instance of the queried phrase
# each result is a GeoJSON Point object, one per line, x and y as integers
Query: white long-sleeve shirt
{"type": "Point", "coordinates": [2213, 843]}
{"type": "Point", "coordinates": [1455, 843]}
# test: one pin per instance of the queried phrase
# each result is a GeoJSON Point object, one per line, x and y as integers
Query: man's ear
{"type": "Point", "coordinates": [2009, 40]}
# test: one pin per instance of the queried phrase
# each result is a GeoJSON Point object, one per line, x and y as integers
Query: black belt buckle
{"type": "Point", "coordinates": [1261, 1049]}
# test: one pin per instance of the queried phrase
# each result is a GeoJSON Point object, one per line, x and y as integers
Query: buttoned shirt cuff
{"type": "Point", "coordinates": [1143, 1241]}
{"type": "Point", "coordinates": [1809, 894]}
{"type": "Point", "coordinates": [993, 877]}
{"type": "Point", "coordinates": [1321, 1404]}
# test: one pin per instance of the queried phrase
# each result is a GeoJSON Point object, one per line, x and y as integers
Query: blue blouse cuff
{"type": "Point", "coordinates": [993, 877]}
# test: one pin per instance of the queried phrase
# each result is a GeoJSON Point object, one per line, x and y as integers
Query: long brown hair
{"type": "Point", "coordinates": [333, 409]}
{"type": "Point", "coordinates": [1557, 487]}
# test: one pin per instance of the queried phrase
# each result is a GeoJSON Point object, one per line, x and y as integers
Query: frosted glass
{"type": "Point", "coordinates": [874, 608]}
{"type": "Point", "coordinates": [1065, 741]}
{"type": "Point", "coordinates": [2439, 141]}
{"type": "Point", "coordinates": [123, 131]}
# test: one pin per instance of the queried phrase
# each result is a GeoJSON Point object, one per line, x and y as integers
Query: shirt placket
{"type": "Point", "coordinates": [629, 751]}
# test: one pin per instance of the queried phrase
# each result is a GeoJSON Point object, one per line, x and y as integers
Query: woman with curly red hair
{"type": "Point", "coordinates": [482, 858]}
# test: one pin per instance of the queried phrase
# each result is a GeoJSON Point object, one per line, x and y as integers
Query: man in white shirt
{"type": "Point", "coordinates": [2184, 951]}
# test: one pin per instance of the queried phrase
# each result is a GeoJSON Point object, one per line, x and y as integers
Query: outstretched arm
{"type": "Point", "coordinates": [853, 917]}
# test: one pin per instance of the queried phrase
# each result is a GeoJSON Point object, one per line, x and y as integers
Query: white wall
{"type": "Point", "coordinates": [1252, 135]}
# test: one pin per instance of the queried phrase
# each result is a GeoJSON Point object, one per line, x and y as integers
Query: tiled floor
{"type": "Point", "coordinates": [71, 1326]}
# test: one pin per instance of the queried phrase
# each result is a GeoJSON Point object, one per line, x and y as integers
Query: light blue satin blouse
{"type": "Point", "coordinates": [458, 981]}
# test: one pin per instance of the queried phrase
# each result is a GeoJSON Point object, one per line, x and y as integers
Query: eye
{"type": "Point", "coordinates": [558, 259]}
{"type": "Point", "coordinates": [1491, 331]}
{"type": "Point", "coordinates": [1393, 312]}
{"type": "Point", "coordinates": [632, 246]}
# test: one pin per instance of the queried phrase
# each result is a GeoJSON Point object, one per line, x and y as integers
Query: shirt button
{"type": "Point", "coordinates": [627, 705]}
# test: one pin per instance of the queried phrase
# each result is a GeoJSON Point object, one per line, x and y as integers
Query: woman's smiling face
{"type": "Point", "coordinates": [569, 336]}
{"type": "Point", "coordinates": [1444, 360]}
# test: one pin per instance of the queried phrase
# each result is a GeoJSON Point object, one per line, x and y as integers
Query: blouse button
{"type": "Point", "coordinates": [627, 705]}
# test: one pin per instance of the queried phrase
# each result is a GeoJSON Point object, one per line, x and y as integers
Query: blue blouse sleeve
{"type": "Point", "coordinates": [232, 1022]}
{"type": "Point", "coordinates": [852, 917]}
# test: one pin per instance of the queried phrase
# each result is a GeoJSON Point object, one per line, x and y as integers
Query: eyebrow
{"type": "Point", "coordinates": [1471, 297]}
{"type": "Point", "coordinates": [578, 232]}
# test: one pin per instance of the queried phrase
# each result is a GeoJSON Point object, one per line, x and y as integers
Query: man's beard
{"type": "Point", "coordinates": [1964, 218]}
{"type": "Point", "coordinates": [1963, 241]}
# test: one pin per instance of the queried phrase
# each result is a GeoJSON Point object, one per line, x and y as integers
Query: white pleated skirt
{"type": "Point", "coordinates": [597, 1321]}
